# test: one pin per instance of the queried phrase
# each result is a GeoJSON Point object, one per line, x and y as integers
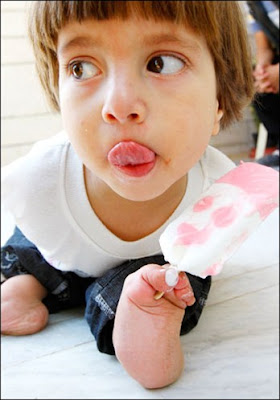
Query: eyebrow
{"type": "Point", "coordinates": [149, 40]}
{"type": "Point", "coordinates": [165, 38]}
{"type": "Point", "coordinates": [79, 41]}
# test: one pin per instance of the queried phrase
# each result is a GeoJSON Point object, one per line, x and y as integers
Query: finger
{"type": "Point", "coordinates": [171, 280]}
{"type": "Point", "coordinates": [185, 291]}
{"type": "Point", "coordinates": [186, 295]}
{"type": "Point", "coordinates": [269, 90]}
{"type": "Point", "coordinates": [182, 295]}
{"type": "Point", "coordinates": [161, 278]}
{"type": "Point", "coordinates": [174, 280]}
{"type": "Point", "coordinates": [266, 87]}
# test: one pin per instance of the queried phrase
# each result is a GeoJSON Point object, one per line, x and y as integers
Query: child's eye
{"type": "Point", "coordinates": [165, 64]}
{"type": "Point", "coordinates": [83, 70]}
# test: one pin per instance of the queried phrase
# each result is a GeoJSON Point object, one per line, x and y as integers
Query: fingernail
{"type": "Point", "coordinates": [189, 299]}
{"type": "Point", "coordinates": [187, 296]}
{"type": "Point", "coordinates": [171, 277]}
{"type": "Point", "coordinates": [183, 275]}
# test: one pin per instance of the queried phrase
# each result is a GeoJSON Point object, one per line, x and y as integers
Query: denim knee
{"type": "Point", "coordinates": [102, 298]}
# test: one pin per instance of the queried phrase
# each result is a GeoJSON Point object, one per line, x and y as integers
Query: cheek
{"type": "Point", "coordinates": [68, 111]}
{"type": "Point", "coordinates": [191, 138]}
{"type": "Point", "coordinates": [194, 108]}
{"type": "Point", "coordinates": [72, 100]}
{"type": "Point", "coordinates": [193, 127]}
{"type": "Point", "coordinates": [76, 119]}
{"type": "Point", "coordinates": [75, 123]}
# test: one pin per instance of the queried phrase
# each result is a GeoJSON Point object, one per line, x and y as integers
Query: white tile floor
{"type": "Point", "coordinates": [232, 353]}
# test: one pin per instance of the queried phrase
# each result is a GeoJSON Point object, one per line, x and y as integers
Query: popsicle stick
{"type": "Point", "coordinates": [158, 295]}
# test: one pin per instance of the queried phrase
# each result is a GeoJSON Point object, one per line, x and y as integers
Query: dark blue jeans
{"type": "Point", "coordinates": [100, 296]}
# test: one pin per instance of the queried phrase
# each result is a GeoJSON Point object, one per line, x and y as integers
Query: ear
{"type": "Point", "coordinates": [218, 116]}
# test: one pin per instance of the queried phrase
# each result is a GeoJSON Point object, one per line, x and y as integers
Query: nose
{"type": "Point", "coordinates": [123, 102]}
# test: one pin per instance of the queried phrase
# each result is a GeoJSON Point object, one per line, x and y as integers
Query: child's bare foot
{"type": "Point", "coordinates": [147, 331]}
{"type": "Point", "coordinates": [22, 312]}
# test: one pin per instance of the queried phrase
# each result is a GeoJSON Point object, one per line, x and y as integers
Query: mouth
{"type": "Point", "coordinates": [131, 158]}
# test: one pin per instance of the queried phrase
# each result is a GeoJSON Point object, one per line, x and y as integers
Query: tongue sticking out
{"type": "Point", "coordinates": [130, 153]}
{"type": "Point", "coordinates": [132, 158]}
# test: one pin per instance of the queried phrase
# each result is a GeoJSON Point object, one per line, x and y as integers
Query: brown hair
{"type": "Point", "coordinates": [220, 22]}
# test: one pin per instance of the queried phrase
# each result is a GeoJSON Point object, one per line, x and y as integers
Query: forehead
{"type": "Point", "coordinates": [91, 32]}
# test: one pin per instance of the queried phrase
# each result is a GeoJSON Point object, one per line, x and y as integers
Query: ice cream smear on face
{"type": "Point", "coordinates": [132, 158]}
{"type": "Point", "coordinates": [209, 231]}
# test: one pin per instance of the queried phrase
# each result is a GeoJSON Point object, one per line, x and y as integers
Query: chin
{"type": "Point", "coordinates": [140, 198]}
{"type": "Point", "coordinates": [141, 194]}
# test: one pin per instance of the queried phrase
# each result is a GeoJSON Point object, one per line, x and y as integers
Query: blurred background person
{"type": "Point", "coordinates": [263, 24]}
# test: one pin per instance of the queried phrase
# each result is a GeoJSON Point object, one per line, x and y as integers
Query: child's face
{"type": "Point", "coordinates": [152, 83]}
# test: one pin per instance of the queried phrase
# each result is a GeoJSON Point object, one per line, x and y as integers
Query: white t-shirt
{"type": "Point", "coordinates": [45, 193]}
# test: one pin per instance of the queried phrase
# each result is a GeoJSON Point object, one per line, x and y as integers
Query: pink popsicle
{"type": "Point", "coordinates": [209, 231]}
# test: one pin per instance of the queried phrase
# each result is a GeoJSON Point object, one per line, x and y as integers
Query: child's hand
{"type": "Point", "coordinates": [267, 78]}
{"type": "Point", "coordinates": [179, 287]}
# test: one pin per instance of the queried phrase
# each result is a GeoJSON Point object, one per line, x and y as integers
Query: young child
{"type": "Point", "coordinates": [142, 86]}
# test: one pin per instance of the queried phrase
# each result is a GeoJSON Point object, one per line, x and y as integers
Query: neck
{"type": "Point", "coordinates": [132, 220]}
